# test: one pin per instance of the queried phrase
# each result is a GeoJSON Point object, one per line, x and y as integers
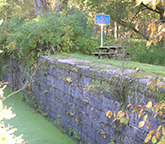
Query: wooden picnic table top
{"type": "Point", "coordinates": [110, 47]}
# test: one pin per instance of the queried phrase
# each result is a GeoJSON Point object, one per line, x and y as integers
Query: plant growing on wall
{"type": "Point", "coordinates": [154, 110]}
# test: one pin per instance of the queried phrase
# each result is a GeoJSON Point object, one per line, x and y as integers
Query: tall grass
{"type": "Point", "coordinates": [140, 53]}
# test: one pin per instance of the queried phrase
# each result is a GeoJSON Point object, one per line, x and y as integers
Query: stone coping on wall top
{"type": "Point", "coordinates": [74, 61]}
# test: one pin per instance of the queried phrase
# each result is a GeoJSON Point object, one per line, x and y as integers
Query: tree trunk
{"type": "Point", "coordinates": [57, 6]}
{"type": "Point", "coordinates": [44, 5]}
{"type": "Point", "coordinates": [37, 7]}
{"type": "Point", "coordinates": [115, 30]}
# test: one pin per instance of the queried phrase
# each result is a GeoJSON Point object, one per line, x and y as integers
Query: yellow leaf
{"type": "Point", "coordinates": [119, 113]}
{"type": "Point", "coordinates": [147, 138]}
{"type": "Point", "coordinates": [127, 116]}
{"type": "Point", "coordinates": [160, 142]}
{"type": "Point", "coordinates": [151, 132]}
{"type": "Point", "coordinates": [114, 114]}
{"type": "Point", "coordinates": [148, 125]}
{"type": "Point", "coordinates": [129, 105]}
{"type": "Point", "coordinates": [148, 84]}
{"type": "Point", "coordinates": [159, 28]}
{"type": "Point", "coordinates": [139, 115]}
{"type": "Point", "coordinates": [109, 114]}
{"type": "Point", "coordinates": [161, 86]}
{"type": "Point", "coordinates": [152, 86]}
{"type": "Point", "coordinates": [137, 27]}
{"type": "Point", "coordinates": [163, 131]}
{"type": "Point", "coordinates": [145, 117]}
{"type": "Point", "coordinates": [154, 140]}
{"type": "Point", "coordinates": [163, 3]}
{"type": "Point", "coordinates": [154, 3]}
{"type": "Point", "coordinates": [149, 43]}
{"type": "Point", "coordinates": [154, 42]}
{"type": "Point", "coordinates": [157, 134]}
{"type": "Point", "coordinates": [138, 2]}
{"type": "Point", "coordinates": [146, 2]}
{"type": "Point", "coordinates": [153, 27]}
{"type": "Point", "coordinates": [160, 37]}
{"type": "Point", "coordinates": [141, 124]}
{"type": "Point", "coordinates": [156, 115]}
{"type": "Point", "coordinates": [149, 27]}
{"type": "Point", "coordinates": [149, 105]}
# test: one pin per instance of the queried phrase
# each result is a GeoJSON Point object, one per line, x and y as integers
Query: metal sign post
{"type": "Point", "coordinates": [102, 20]}
{"type": "Point", "coordinates": [101, 35]}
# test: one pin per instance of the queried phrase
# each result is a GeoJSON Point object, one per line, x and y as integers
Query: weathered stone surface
{"type": "Point", "coordinates": [77, 97]}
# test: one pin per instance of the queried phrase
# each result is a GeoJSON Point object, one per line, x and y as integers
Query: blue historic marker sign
{"type": "Point", "coordinates": [102, 19]}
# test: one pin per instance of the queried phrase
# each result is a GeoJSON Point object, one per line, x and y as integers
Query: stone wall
{"type": "Point", "coordinates": [76, 97]}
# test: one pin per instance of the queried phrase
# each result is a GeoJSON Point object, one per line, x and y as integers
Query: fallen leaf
{"type": "Point", "coordinates": [141, 123]}
{"type": "Point", "coordinates": [137, 69]}
{"type": "Point", "coordinates": [149, 105]}
{"type": "Point", "coordinates": [148, 125]}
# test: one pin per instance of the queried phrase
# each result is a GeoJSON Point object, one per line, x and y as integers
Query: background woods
{"type": "Point", "coordinates": [33, 29]}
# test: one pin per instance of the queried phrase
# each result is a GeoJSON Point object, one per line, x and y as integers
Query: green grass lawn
{"type": "Point", "coordinates": [145, 69]}
{"type": "Point", "coordinates": [35, 128]}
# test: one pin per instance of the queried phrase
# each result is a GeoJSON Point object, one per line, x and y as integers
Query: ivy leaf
{"type": "Point", "coordinates": [129, 105]}
{"type": "Point", "coordinates": [157, 134]}
{"type": "Point", "coordinates": [120, 114]}
{"type": "Point", "coordinates": [140, 114]}
{"type": "Point", "coordinates": [163, 131]}
{"type": "Point", "coordinates": [141, 123]}
{"type": "Point", "coordinates": [149, 105]}
{"type": "Point", "coordinates": [148, 125]}
{"type": "Point", "coordinates": [145, 117]}
{"type": "Point", "coordinates": [151, 132]}
{"type": "Point", "coordinates": [109, 114]}
{"type": "Point", "coordinates": [147, 138]}
{"type": "Point", "coordinates": [148, 84]}
{"type": "Point", "coordinates": [154, 140]}
{"type": "Point", "coordinates": [124, 120]}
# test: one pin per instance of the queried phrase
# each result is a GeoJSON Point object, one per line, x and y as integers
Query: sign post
{"type": "Point", "coordinates": [102, 20]}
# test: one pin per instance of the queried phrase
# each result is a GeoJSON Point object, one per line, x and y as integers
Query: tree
{"type": "Point", "coordinates": [157, 28]}
{"type": "Point", "coordinates": [126, 14]}
{"type": "Point", "coordinates": [57, 6]}
{"type": "Point", "coordinates": [37, 6]}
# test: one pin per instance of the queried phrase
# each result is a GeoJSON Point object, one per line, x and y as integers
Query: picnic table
{"type": "Point", "coordinates": [116, 50]}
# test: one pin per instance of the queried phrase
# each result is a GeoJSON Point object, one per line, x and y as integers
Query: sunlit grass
{"type": "Point", "coordinates": [144, 68]}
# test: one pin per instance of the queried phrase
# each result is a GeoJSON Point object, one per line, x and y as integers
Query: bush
{"type": "Point", "coordinates": [65, 32]}
{"type": "Point", "coordinates": [139, 51]}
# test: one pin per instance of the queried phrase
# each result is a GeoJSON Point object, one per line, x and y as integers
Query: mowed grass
{"type": "Point", "coordinates": [145, 69]}
{"type": "Point", "coordinates": [35, 128]}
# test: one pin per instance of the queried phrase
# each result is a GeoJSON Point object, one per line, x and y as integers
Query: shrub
{"type": "Point", "coordinates": [49, 33]}
{"type": "Point", "coordinates": [139, 51]}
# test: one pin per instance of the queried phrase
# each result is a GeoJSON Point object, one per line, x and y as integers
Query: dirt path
{"type": "Point", "coordinates": [36, 129]}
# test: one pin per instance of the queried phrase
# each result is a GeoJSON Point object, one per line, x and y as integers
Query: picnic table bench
{"type": "Point", "coordinates": [116, 50]}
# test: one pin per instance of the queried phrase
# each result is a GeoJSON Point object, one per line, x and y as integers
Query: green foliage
{"type": "Point", "coordinates": [48, 33]}
{"type": "Point", "coordinates": [140, 52]}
